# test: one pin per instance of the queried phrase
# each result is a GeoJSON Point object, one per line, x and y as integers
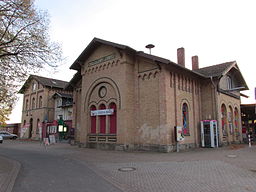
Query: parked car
{"type": "Point", "coordinates": [7, 135]}
{"type": "Point", "coordinates": [1, 139]}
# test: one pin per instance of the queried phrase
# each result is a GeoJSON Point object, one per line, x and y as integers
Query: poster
{"type": "Point", "coordinates": [52, 139]}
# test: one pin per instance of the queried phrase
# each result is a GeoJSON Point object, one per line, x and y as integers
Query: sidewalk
{"type": "Point", "coordinates": [9, 170]}
{"type": "Point", "coordinates": [231, 169]}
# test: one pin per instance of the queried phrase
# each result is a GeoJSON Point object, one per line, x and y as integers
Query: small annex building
{"type": "Point", "coordinates": [129, 100]}
{"type": "Point", "coordinates": [44, 99]}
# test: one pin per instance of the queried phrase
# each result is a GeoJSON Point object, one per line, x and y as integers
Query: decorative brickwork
{"type": "Point", "coordinates": [150, 94]}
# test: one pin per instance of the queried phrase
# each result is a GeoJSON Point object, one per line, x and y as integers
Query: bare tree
{"type": "Point", "coordinates": [25, 47]}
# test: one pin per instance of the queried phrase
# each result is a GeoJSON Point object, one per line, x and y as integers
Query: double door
{"type": "Point", "coordinates": [209, 133]}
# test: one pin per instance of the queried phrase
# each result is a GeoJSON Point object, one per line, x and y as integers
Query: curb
{"type": "Point", "coordinates": [9, 180]}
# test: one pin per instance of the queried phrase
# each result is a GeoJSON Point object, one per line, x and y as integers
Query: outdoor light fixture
{"type": "Point", "coordinates": [60, 128]}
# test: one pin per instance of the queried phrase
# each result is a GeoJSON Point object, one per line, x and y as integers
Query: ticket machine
{"type": "Point", "coordinates": [209, 133]}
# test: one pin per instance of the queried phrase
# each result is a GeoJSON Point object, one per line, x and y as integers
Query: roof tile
{"type": "Point", "coordinates": [214, 70]}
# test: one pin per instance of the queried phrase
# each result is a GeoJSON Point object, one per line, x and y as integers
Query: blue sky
{"type": "Point", "coordinates": [217, 31]}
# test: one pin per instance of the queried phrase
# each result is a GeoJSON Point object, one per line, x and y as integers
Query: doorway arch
{"type": "Point", "coordinates": [30, 128]}
{"type": "Point", "coordinates": [224, 120]}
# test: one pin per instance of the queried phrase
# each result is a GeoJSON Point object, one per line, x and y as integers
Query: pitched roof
{"type": "Point", "coordinates": [97, 42]}
{"type": "Point", "coordinates": [215, 70]}
{"type": "Point", "coordinates": [48, 82]}
{"type": "Point", "coordinates": [221, 69]}
{"type": "Point", "coordinates": [62, 95]}
{"type": "Point", "coordinates": [91, 47]}
{"type": "Point", "coordinates": [206, 72]}
{"type": "Point", "coordinates": [73, 81]}
{"type": "Point", "coordinates": [166, 61]}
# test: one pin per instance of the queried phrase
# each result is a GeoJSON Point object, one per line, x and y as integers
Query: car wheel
{"type": "Point", "coordinates": [14, 138]}
{"type": "Point", "coordinates": [1, 141]}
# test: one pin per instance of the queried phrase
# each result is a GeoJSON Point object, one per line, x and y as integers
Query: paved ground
{"type": "Point", "coordinates": [231, 169]}
{"type": "Point", "coordinates": [9, 170]}
{"type": "Point", "coordinates": [48, 169]}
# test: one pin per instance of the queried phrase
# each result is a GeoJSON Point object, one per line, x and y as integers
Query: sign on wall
{"type": "Point", "coordinates": [102, 112]}
{"type": "Point", "coordinates": [102, 59]}
{"type": "Point", "coordinates": [179, 133]}
{"type": "Point", "coordinates": [39, 129]}
{"type": "Point", "coordinates": [24, 129]}
{"type": "Point", "coordinates": [51, 129]}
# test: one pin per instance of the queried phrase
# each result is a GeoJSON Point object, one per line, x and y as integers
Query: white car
{"type": "Point", "coordinates": [1, 139]}
{"type": "Point", "coordinates": [7, 135]}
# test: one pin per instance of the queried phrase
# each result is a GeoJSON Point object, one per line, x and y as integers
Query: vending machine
{"type": "Point", "coordinates": [209, 133]}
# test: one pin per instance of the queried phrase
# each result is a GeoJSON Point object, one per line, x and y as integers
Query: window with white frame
{"type": "Point", "coordinates": [229, 83]}
{"type": "Point", "coordinates": [34, 86]}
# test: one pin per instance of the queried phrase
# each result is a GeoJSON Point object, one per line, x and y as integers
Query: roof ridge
{"type": "Point", "coordinates": [215, 70]}
{"type": "Point", "coordinates": [48, 78]}
{"type": "Point", "coordinates": [231, 62]}
{"type": "Point", "coordinates": [111, 42]}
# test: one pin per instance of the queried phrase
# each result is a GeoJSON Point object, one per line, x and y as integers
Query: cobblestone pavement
{"type": "Point", "coordinates": [226, 169]}
{"type": "Point", "coordinates": [231, 169]}
{"type": "Point", "coordinates": [180, 176]}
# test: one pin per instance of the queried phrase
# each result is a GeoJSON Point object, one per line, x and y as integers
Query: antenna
{"type": "Point", "coordinates": [150, 46]}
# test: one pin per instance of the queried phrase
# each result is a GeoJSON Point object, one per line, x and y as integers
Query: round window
{"type": "Point", "coordinates": [102, 92]}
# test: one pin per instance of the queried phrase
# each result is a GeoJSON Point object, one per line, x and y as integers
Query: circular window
{"type": "Point", "coordinates": [102, 92]}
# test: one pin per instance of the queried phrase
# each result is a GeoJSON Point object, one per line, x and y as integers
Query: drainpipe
{"type": "Point", "coordinates": [215, 99]}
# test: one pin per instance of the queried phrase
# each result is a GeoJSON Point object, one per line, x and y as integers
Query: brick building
{"type": "Point", "coordinates": [39, 104]}
{"type": "Point", "coordinates": [127, 99]}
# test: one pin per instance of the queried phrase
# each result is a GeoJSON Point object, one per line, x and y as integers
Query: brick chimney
{"type": "Point", "coordinates": [181, 56]}
{"type": "Point", "coordinates": [195, 63]}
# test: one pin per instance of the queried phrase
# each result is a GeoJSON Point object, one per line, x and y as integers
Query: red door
{"type": "Point", "coordinates": [112, 119]}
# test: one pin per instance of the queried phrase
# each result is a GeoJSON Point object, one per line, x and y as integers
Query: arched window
{"type": "Point", "coordinates": [40, 102]}
{"type": "Point", "coordinates": [112, 119]}
{"type": "Point", "coordinates": [26, 105]}
{"type": "Point", "coordinates": [229, 83]}
{"type": "Point", "coordinates": [236, 115]}
{"type": "Point", "coordinates": [33, 103]}
{"type": "Point", "coordinates": [230, 120]}
{"type": "Point", "coordinates": [93, 120]}
{"type": "Point", "coordinates": [102, 120]}
{"type": "Point", "coordinates": [34, 86]}
{"type": "Point", "coordinates": [185, 119]}
{"type": "Point", "coordinates": [224, 120]}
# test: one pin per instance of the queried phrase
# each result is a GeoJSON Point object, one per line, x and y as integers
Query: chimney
{"type": "Point", "coordinates": [195, 63]}
{"type": "Point", "coordinates": [181, 56]}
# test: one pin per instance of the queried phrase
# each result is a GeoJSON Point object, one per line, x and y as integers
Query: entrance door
{"type": "Point", "coordinates": [30, 128]}
{"type": "Point", "coordinates": [207, 135]}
